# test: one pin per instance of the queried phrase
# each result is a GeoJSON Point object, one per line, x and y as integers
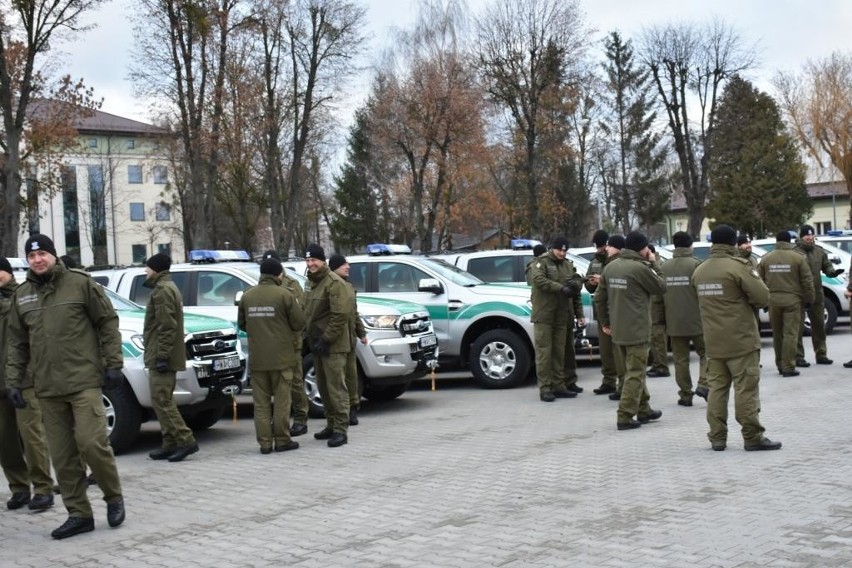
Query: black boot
{"type": "Point", "coordinates": [73, 526]}
{"type": "Point", "coordinates": [17, 501]}
{"type": "Point", "coordinates": [353, 415]}
{"type": "Point", "coordinates": [115, 512]}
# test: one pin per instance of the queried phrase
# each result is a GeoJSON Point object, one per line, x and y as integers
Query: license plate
{"type": "Point", "coordinates": [226, 363]}
{"type": "Point", "coordinates": [428, 341]}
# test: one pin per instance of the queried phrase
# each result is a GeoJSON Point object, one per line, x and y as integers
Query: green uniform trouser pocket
{"type": "Point", "coordinates": [331, 380]}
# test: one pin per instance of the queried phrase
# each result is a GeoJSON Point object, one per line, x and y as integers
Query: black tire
{"type": "Point", "coordinates": [309, 375]}
{"type": "Point", "coordinates": [830, 318]}
{"type": "Point", "coordinates": [206, 418]}
{"type": "Point", "coordinates": [124, 417]}
{"type": "Point", "coordinates": [389, 392]}
{"type": "Point", "coordinates": [500, 359]}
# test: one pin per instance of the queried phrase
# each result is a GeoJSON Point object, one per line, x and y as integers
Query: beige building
{"type": "Point", "coordinates": [112, 207]}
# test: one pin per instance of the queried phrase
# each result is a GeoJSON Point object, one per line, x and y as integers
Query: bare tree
{"type": "Point", "coordinates": [818, 105]}
{"type": "Point", "coordinates": [689, 64]}
{"type": "Point", "coordinates": [527, 50]}
{"type": "Point", "coordinates": [28, 30]}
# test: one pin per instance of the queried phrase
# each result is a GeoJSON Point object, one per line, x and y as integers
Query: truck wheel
{"type": "Point", "coordinates": [499, 359]}
{"type": "Point", "coordinates": [123, 417]}
{"type": "Point", "coordinates": [830, 315]}
{"type": "Point", "coordinates": [309, 375]}
{"type": "Point", "coordinates": [388, 392]}
{"type": "Point", "coordinates": [206, 418]}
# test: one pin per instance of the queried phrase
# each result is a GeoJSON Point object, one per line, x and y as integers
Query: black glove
{"type": "Point", "coordinates": [572, 287]}
{"type": "Point", "coordinates": [112, 378]}
{"type": "Point", "coordinates": [569, 291]}
{"type": "Point", "coordinates": [321, 347]}
{"type": "Point", "coordinates": [16, 398]}
{"type": "Point", "coordinates": [162, 366]}
{"type": "Point", "coordinates": [807, 306]}
{"type": "Point", "coordinates": [838, 272]}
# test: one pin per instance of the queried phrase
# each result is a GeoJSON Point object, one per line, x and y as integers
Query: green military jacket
{"type": "Point", "coordinates": [683, 318]}
{"type": "Point", "coordinates": [290, 283]}
{"type": "Point", "coordinates": [64, 328]}
{"type": "Point", "coordinates": [596, 266]}
{"type": "Point", "coordinates": [163, 332]}
{"type": "Point", "coordinates": [328, 307]}
{"type": "Point", "coordinates": [356, 327]}
{"type": "Point", "coordinates": [658, 307]}
{"type": "Point", "coordinates": [742, 253]}
{"type": "Point", "coordinates": [6, 293]}
{"type": "Point", "coordinates": [624, 295]}
{"type": "Point", "coordinates": [818, 261]}
{"type": "Point", "coordinates": [549, 305]}
{"type": "Point", "coordinates": [273, 320]}
{"type": "Point", "coordinates": [729, 291]}
{"type": "Point", "coordinates": [787, 275]}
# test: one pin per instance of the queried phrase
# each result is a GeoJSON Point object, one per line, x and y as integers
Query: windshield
{"type": "Point", "coordinates": [452, 273]}
{"type": "Point", "coordinates": [120, 303]}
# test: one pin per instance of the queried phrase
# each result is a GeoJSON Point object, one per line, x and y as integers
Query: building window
{"type": "Point", "coordinates": [823, 228]}
{"type": "Point", "coordinates": [97, 214]}
{"type": "Point", "coordinates": [137, 211]}
{"type": "Point", "coordinates": [161, 174]}
{"type": "Point", "coordinates": [140, 254]}
{"type": "Point", "coordinates": [164, 211]}
{"type": "Point", "coordinates": [93, 142]}
{"type": "Point", "coordinates": [134, 174]}
{"type": "Point", "coordinates": [165, 248]}
{"type": "Point", "coordinates": [70, 211]}
{"type": "Point", "coordinates": [131, 144]}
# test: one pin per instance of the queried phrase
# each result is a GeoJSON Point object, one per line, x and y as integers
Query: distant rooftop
{"type": "Point", "coordinates": [94, 121]}
{"type": "Point", "coordinates": [818, 190]}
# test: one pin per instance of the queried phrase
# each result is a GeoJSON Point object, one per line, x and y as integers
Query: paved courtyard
{"type": "Point", "coordinates": [467, 477]}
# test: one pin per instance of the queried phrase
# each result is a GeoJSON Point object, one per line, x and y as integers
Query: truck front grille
{"type": "Point", "coordinates": [417, 323]}
{"type": "Point", "coordinates": [208, 344]}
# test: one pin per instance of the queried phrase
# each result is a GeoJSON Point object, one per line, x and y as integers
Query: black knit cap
{"type": "Point", "coordinates": [160, 262]}
{"type": "Point", "coordinates": [806, 230]}
{"type": "Point", "coordinates": [271, 254]}
{"type": "Point", "coordinates": [743, 239]}
{"type": "Point", "coordinates": [783, 236]}
{"type": "Point", "coordinates": [315, 251]}
{"type": "Point", "coordinates": [560, 243]}
{"type": "Point", "coordinates": [635, 241]}
{"type": "Point", "coordinates": [336, 261]}
{"type": "Point", "coordinates": [539, 249]}
{"type": "Point", "coordinates": [616, 241]}
{"type": "Point", "coordinates": [5, 266]}
{"type": "Point", "coordinates": [271, 266]}
{"type": "Point", "coordinates": [600, 238]}
{"type": "Point", "coordinates": [682, 239]}
{"type": "Point", "coordinates": [39, 242]}
{"type": "Point", "coordinates": [723, 235]}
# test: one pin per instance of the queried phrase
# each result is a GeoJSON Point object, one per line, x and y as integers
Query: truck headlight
{"type": "Point", "coordinates": [381, 322]}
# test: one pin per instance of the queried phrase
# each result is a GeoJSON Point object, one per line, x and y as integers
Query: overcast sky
{"type": "Point", "coordinates": [787, 32]}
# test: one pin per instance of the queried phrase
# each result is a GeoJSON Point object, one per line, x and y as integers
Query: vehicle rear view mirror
{"type": "Point", "coordinates": [430, 285]}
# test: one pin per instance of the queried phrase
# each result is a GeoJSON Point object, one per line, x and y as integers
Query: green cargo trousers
{"type": "Point", "coordinates": [744, 373]}
{"type": "Point", "coordinates": [298, 396]}
{"type": "Point", "coordinates": [31, 427]}
{"type": "Point", "coordinates": [270, 392]}
{"type": "Point", "coordinates": [816, 313]}
{"type": "Point", "coordinates": [550, 355]}
{"type": "Point", "coordinates": [635, 399]}
{"type": "Point", "coordinates": [174, 430]}
{"type": "Point", "coordinates": [569, 369]}
{"type": "Point", "coordinates": [331, 380]}
{"type": "Point", "coordinates": [680, 354]}
{"type": "Point", "coordinates": [352, 379]}
{"type": "Point", "coordinates": [659, 349]}
{"type": "Point", "coordinates": [611, 376]}
{"type": "Point", "coordinates": [11, 452]}
{"type": "Point", "coordinates": [75, 425]}
{"type": "Point", "coordinates": [786, 323]}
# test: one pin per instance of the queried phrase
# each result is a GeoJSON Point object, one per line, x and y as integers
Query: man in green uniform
{"type": "Point", "coordinates": [165, 355]}
{"type": "Point", "coordinates": [744, 249]}
{"type": "Point", "coordinates": [818, 262]}
{"type": "Point", "coordinates": [791, 285]}
{"type": "Point", "coordinates": [337, 263]}
{"type": "Point", "coordinates": [683, 321]}
{"type": "Point", "coordinates": [271, 317]}
{"type": "Point", "coordinates": [28, 464]}
{"type": "Point", "coordinates": [63, 331]}
{"type": "Point", "coordinates": [298, 395]}
{"type": "Point", "coordinates": [555, 283]}
{"type": "Point", "coordinates": [601, 240]}
{"type": "Point", "coordinates": [659, 348]}
{"type": "Point", "coordinates": [623, 302]}
{"type": "Point", "coordinates": [729, 291]}
{"type": "Point", "coordinates": [328, 307]}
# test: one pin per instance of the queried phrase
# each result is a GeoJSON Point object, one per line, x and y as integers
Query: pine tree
{"type": "Point", "coordinates": [636, 183]}
{"type": "Point", "coordinates": [356, 220]}
{"type": "Point", "coordinates": [757, 175]}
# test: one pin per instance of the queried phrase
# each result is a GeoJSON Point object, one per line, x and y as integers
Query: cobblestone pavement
{"type": "Point", "coordinates": [469, 477]}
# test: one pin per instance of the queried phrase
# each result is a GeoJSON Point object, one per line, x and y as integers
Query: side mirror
{"type": "Point", "coordinates": [237, 297]}
{"type": "Point", "coordinates": [430, 285]}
